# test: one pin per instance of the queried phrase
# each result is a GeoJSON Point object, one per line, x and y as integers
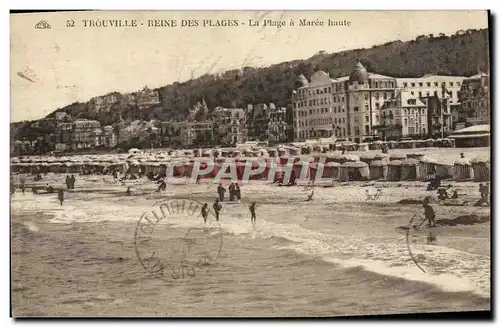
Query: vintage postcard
{"type": "Point", "coordinates": [250, 163]}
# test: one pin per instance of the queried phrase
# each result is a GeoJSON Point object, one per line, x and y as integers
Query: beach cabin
{"type": "Point", "coordinates": [354, 171]}
{"type": "Point", "coordinates": [409, 169]}
{"type": "Point", "coordinates": [445, 171]}
{"type": "Point", "coordinates": [332, 170]}
{"type": "Point", "coordinates": [367, 157]}
{"type": "Point", "coordinates": [417, 156]}
{"type": "Point", "coordinates": [481, 168]}
{"type": "Point", "coordinates": [272, 152]}
{"type": "Point", "coordinates": [397, 157]}
{"type": "Point", "coordinates": [381, 156]}
{"type": "Point", "coordinates": [428, 143]}
{"type": "Point", "coordinates": [463, 170]}
{"type": "Point", "coordinates": [473, 136]}
{"type": "Point", "coordinates": [378, 169]}
{"type": "Point", "coordinates": [394, 170]}
{"type": "Point", "coordinates": [427, 168]}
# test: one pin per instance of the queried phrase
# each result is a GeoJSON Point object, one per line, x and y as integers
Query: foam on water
{"type": "Point", "coordinates": [447, 268]}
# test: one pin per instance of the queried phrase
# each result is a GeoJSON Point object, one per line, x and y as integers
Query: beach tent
{"type": "Point", "coordinates": [392, 144]}
{"type": "Point", "coordinates": [417, 156]}
{"type": "Point", "coordinates": [354, 171]}
{"type": "Point", "coordinates": [409, 169]}
{"type": "Point", "coordinates": [481, 169]}
{"type": "Point", "coordinates": [378, 169]}
{"type": "Point", "coordinates": [332, 170]}
{"type": "Point", "coordinates": [444, 171]}
{"type": "Point", "coordinates": [427, 168]}
{"type": "Point", "coordinates": [397, 156]}
{"type": "Point", "coordinates": [463, 170]}
{"type": "Point", "coordinates": [381, 156]}
{"type": "Point", "coordinates": [394, 170]}
{"type": "Point", "coordinates": [363, 147]}
{"type": "Point", "coordinates": [428, 143]}
{"type": "Point", "coordinates": [367, 157]}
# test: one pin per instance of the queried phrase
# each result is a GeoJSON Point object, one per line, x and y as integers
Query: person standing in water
{"type": "Point", "coordinates": [204, 212]}
{"type": "Point", "coordinates": [217, 207]}
{"type": "Point", "coordinates": [252, 212]}
{"type": "Point", "coordinates": [60, 196]}
{"type": "Point", "coordinates": [430, 215]}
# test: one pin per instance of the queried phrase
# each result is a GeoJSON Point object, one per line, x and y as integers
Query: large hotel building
{"type": "Point", "coordinates": [352, 106]}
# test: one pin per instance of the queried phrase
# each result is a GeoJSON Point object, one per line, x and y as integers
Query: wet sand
{"type": "Point", "coordinates": [339, 254]}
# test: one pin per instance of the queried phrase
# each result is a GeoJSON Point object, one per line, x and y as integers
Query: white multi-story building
{"type": "Point", "coordinates": [432, 85]}
{"type": "Point", "coordinates": [343, 107]}
{"type": "Point", "coordinates": [404, 115]}
{"type": "Point", "coordinates": [350, 106]}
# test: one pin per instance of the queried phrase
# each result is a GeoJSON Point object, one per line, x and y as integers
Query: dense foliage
{"type": "Point", "coordinates": [463, 54]}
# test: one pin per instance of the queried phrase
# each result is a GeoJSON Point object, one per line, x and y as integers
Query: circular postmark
{"type": "Point", "coordinates": [173, 241]}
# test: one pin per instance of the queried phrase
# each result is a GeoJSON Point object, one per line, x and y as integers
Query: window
{"type": "Point", "coordinates": [356, 109]}
{"type": "Point", "coordinates": [317, 91]}
{"type": "Point", "coordinates": [367, 118]}
{"type": "Point", "coordinates": [420, 84]}
{"type": "Point", "coordinates": [366, 107]}
{"type": "Point", "coordinates": [325, 90]}
{"type": "Point", "coordinates": [405, 121]}
{"type": "Point", "coordinates": [427, 93]}
{"type": "Point", "coordinates": [429, 84]}
{"type": "Point", "coordinates": [366, 96]}
{"type": "Point", "coordinates": [412, 84]}
{"type": "Point", "coordinates": [451, 83]}
{"type": "Point", "coordinates": [385, 96]}
{"type": "Point", "coordinates": [405, 84]}
{"type": "Point", "coordinates": [330, 90]}
{"type": "Point", "coordinates": [419, 94]}
{"type": "Point", "coordinates": [377, 106]}
{"type": "Point", "coordinates": [412, 93]}
{"type": "Point", "coordinates": [343, 120]}
{"type": "Point", "coordinates": [376, 96]}
{"type": "Point", "coordinates": [458, 83]}
{"type": "Point", "coordinates": [310, 112]}
{"type": "Point", "coordinates": [367, 130]}
{"type": "Point", "coordinates": [436, 84]}
{"type": "Point", "coordinates": [443, 83]}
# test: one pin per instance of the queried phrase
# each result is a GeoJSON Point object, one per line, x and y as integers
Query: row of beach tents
{"type": "Point", "coordinates": [334, 166]}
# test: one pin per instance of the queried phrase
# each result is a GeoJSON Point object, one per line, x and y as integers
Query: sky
{"type": "Point", "coordinates": [51, 68]}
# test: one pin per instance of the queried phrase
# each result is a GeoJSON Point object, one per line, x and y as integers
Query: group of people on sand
{"type": "Point", "coordinates": [234, 192]}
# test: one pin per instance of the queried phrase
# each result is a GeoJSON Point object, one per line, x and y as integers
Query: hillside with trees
{"type": "Point", "coordinates": [463, 53]}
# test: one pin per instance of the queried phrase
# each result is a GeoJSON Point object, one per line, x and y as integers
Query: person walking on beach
{"type": "Point", "coordinates": [68, 182]}
{"type": "Point", "coordinates": [485, 193]}
{"type": "Point", "coordinates": [23, 184]}
{"type": "Point", "coordinates": [221, 190]}
{"type": "Point", "coordinates": [252, 212]}
{"type": "Point", "coordinates": [73, 180]}
{"type": "Point", "coordinates": [204, 212]}
{"type": "Point", "coordinates": [162, 186]}
{"type": "Point", "coordinates": [237, 191]}
{"type": "Point", "coordinates": [231, 192]}
{"type": "Point", "coordinates": [430, 215]}
{"type": "Point", "coordinates": [217, 207]}
{"type": "Point", "coordinates": [60, 196]}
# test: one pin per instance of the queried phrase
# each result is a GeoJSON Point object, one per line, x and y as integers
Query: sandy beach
{"type": "Point", "coordinates": [316, 258]}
